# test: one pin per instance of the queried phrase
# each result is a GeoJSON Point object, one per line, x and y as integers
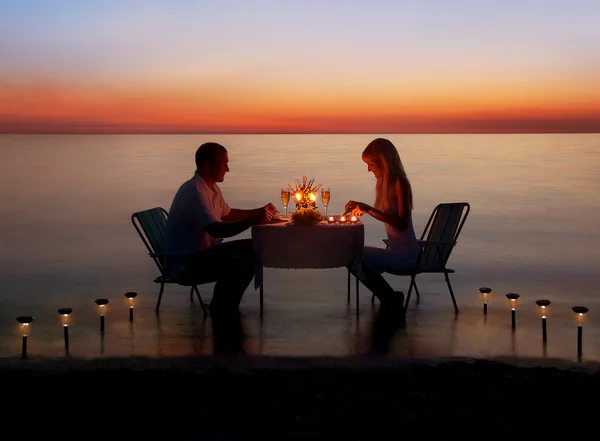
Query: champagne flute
{"type": "Point", "coordinates": [285, 198]}
{"type": "Point", "coordinates": [325, 196]}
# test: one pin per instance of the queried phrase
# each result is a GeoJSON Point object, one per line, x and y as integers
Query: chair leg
{"type": "Point", "coordinates": [160, 293]}
{"type": "Point", "coordinates": [261, 300]}
{"type": "Point", "coordinates": [357, 307]}
{"type": "Point", "coordinates": [407, 300]}
{"type": "Point", "coordinates": [349, 287]}
{"type": "Point", "coordinates": [192, 294]}
{"type": "Point", "coordinates": [451, 292]}
{"type": "Point", "coordinates": [417, 291]}
{"type": "Point", "coordinates": [195, 288]}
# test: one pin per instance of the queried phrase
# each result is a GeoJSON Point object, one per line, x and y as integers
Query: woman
{"type": "Point", "coordinates": [393, 207]}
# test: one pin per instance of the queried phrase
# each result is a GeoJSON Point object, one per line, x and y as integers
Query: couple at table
{"type": "Point", "coordinates": [199, 219]}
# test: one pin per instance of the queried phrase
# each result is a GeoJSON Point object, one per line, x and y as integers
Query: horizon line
{"type": "Point", "coordinates": [296, 133]}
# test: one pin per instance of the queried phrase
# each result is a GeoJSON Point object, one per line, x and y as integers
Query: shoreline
{"type": "Point", "coordinates": [244, 363]}
{"type": "Point", "coordinates": [241, 397]}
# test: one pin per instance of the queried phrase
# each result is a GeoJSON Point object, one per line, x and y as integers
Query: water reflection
{"type": "Point", "coordinates": [384, 328]}
{"type": "Point", "coordinates": [510, 242]}
{"type": "Point", "coordinates": [228, 333]}
{"type": "Point", "coordinates": [513, 342]}
{"type": "Point", "coordinates": [198, 337]}
{"type": "Point", "coordinates": [261, 337]}
{"type": "Point", "coordinates": [328, 329]}
{"type": "Point", "coordinates": [132, 337]}
{"type": "Point", "coordinates": [453, 332]}
{"type": "Point", "coordinates": [159, 337]}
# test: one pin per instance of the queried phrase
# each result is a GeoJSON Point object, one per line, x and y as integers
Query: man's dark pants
{"type": "Point", "coordinates": [230, 264]}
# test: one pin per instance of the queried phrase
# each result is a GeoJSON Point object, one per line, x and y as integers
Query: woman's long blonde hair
{"type": "Point", "coordinates": [385, 154]}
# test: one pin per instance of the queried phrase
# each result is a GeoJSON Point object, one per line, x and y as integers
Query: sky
{"type": "Point", "coordinates": [304, 66]}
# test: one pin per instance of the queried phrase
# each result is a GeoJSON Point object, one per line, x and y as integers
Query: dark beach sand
{"type": "Point", "coordinates": [242, 397]}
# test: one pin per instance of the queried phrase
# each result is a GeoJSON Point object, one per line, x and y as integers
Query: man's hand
{"type": "Point", "coordinates": [356, 208]}
{"type": "Point", "coordinates": [271, 208]}
{"type": "Point", "coordinates": [266, 214]}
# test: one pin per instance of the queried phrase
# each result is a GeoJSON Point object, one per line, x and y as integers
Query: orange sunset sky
{"type": "Point", "coordinates": [299, 67]}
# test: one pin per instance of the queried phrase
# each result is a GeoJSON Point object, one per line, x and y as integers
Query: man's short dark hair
{"type": "Point", "coordinates": [207, 152]}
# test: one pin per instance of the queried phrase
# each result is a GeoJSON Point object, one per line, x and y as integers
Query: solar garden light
{"type": "Point", "coordinates": [580, 312]}
{"type": "Point", "coordinates": [485, 297]}
{"type": "Point", "coordinates": [24, 328]}
{"type": "Point", "coordinates": [102, 310]}
{"type": "Point", "coordinates": [131, 295]}
{"type": "Point", "coordinates": [544, 309]}
{"type": "Point", "coordinates": [65, 319]}
{"type": "Point", "coordinates": [513, 301]}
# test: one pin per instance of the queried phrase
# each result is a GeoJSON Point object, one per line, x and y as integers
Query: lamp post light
{"type": "Point", "coordinates": [24, 328]}
{"type": "Point", "coordinates": [485, 297]}
{"type": "Point", "coordinates": [544, 309]}
{"type": "Point", "coordinates": [513, 301]}
{"type": "Point", "coordinates": [102, 310]}
{"type": "Point", "coordinates": [579, 311]}
{"type": "Point", "coordinates": [65, 319]}
{"type": "Point", "coordinates": [131, 295]}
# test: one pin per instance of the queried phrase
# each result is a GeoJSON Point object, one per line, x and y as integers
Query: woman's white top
{"type": "Point", "coordinates": [403, 250]}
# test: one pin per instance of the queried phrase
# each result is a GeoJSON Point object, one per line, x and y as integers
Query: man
{"type": "Point", "coordinates": [199, 219]}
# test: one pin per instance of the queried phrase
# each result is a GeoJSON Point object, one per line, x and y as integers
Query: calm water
{"type": "Point", "coordinates": [67, 239]}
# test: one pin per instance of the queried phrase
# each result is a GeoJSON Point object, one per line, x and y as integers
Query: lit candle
{"type": "Point", "coordinates": [485, 297]}
{"type": "Point", "coordinates": [579, 312]}
{"type": "Point", "coordinates": [24, 328]}
{"type": "Point", "coordinates": [131, 295]}
{"type": "Point", "coordinates": [298, 196]}
{"type": "Point", "coordinates": [342, 219]}
{"type": "Point", "coordinates": [102, 310]}
{"type": "Point", "coordinates": [353, 219]}
{"type": "Point", "coordinates": [65, 319]}
{"type": "Point", "coordinates": [331, 220]}
{"type": "Point", "coordinates": [513, 298]}
{"type": "Point", "coordinates": [544, 307]}
{"type": "Point", "coordinates": [313, 197]}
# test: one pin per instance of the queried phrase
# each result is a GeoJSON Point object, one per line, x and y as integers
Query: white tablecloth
{"type": "Point", "coordinates": [319, 246]}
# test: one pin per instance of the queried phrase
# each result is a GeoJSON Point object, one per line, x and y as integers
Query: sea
{"type": "Point", "coordinates": [66, 239]}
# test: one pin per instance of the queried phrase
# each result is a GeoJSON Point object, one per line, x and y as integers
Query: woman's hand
{"type": "Point", "coordinates": [357, 208]}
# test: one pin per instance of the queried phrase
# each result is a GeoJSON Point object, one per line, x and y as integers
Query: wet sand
{"type": "Point", "coordinates": [241, 397]}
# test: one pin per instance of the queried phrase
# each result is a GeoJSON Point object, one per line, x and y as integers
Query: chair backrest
{"type": "Point", "coordinates": [150, 225]}
{"type": "Point", "coordinates": [444, 225]}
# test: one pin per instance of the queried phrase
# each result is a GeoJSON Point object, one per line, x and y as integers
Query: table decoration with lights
{"type": "Point", "coordinates": [313, 243]}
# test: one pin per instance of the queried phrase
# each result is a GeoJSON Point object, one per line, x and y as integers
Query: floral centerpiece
{"type": "Point", "coordinates": [305, 198]}
{"type": "Point", "coordinates": [306, 216]}
{"type": "Point", "coordinates": [305, 195]}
